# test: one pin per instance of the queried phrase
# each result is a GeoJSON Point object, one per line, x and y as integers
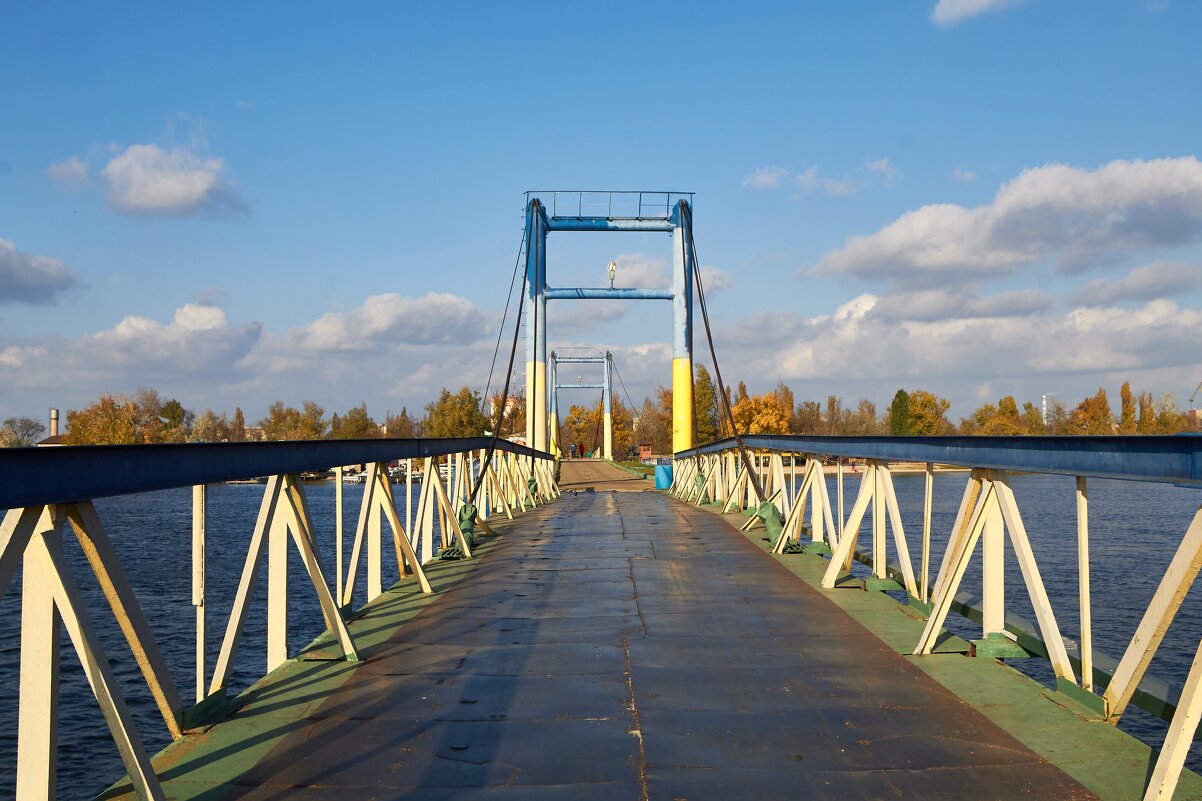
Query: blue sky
{"type": "Point", "coordinates": [235, 205]}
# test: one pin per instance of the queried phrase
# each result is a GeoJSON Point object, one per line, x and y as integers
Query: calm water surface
{"type": "Point", "coordinates": [1134, 530]}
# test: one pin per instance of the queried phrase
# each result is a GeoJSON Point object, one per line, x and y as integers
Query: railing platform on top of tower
{"type": "Point", "coordinates": [793, 472]}
{"type": "Point", "coordinates": [604, 204]}
{"type": "Point", "coordinates": [47, 491]}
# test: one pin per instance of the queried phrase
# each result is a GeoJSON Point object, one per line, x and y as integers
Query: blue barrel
{"type": "Point", "coordinates": [663, 476]}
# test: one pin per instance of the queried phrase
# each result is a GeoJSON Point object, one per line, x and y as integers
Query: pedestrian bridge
{"type": "Point", "coordinates": [601, 640]}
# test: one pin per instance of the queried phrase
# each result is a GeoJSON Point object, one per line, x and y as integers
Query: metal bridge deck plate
{"type": "Point", "coordinates": [617, 645]}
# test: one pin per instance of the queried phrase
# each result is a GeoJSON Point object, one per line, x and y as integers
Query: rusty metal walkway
{"type": "Point", "coordinates": [613, 645]}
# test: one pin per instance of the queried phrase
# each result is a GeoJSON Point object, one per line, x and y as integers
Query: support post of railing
{"type": "Point", "coordinates": [199, 509]}
{"type": "Point", "coordinates": [878, 520]}
{"type": "Point", "coordinates": [277, 589]}
{"type": "Point", "coordinates": [409, 496]}
{"type": "Point", "coordinates": [1083, 583]}
{"type": "Point", "coordinates": [338, 533]}
{"type": "Point", "coordinates": [375, 582]}
{"type": "Point", "coordinates": [993, 575]}
{"type": "Point", "coordinates": [37, 718]}
{"type": "Point", "coordinates": [924, 587]}
{"type": "Point", "coordinates": [839, 489]}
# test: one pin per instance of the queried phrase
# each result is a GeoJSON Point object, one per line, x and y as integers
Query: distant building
{"type": "Point", "coordinates": [55, 439]}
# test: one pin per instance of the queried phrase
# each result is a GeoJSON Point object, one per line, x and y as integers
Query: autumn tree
{"type": "Point", "coordinates": [1127, 423]}
{"type": "Point", "coordinates": [288, 423]}
{"type": "Point", "coordinates": [899, 414]}
{"type": "Point", "coordinates": [455, 415]}
{"type": "Point", "coordinates": [807, 418]}
{"type": "Point", "coordinates": [762, 414]}
{"type": "Point", "coordinates": [926, 413]}
{"type": "Point", "coordinates": [210, 427]}
{"type": "Point", "coordinates": [1032, 418]}
{"type": "Point", "coordinates": [400, 426]}
{"type": "Point", "coordinates": [238, 426]}
{"type": "Point", "coordinates": [1169, 419]}
{"type": "Point", "coordinates": [1093, 415]}
{"type": "Point", "coordinates": [863, 421]}
{"type": "Point", "coordinates": [1147, 415]}
{"type": "Point", "coordinates": [654, 422]}
{"type": "Point", "coordinates": [705, 401]}
{"type": "Point", "coordinates": [111, 420]}
{"type": "Point", "coordinates": [20, 432]}
{"type": "Point", "coordinates": [835, 424]}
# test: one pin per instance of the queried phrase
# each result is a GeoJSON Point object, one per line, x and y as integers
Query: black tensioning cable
{"type": "Point", "coordinates": [501, 332]}
{"type": "Point", "coordinates": [751, 473]}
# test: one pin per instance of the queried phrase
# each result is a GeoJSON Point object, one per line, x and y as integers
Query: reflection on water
{"type": "Point", "coordinates": [1134, 530]}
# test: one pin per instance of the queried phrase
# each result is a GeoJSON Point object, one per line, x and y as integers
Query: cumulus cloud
{"type": "Point", "coordinates": [1159, 279]}
{"type": "Point", "coordinates": [868, 339]}
{"type": "Point", "coordinates": [26, 278]}
{"type": "Point", "coordinates": [950, 12]}
{"type": "Point", "coordinates": [765, 178]}
{"type": "Point", "coordinates": [147, 179]}
{"type": "Point", "coordinates": [640, 271]}
{"type": "Point", "coordinates": [715, 280]}
{"type": "Point", "coordinates": [1068, 215]}
{"type": "Point", "coordinates": [959, 304]}
{"type": "Point", "coordinates": [198, 344]}
{"type": "Point", "coordinates": [71, 173]}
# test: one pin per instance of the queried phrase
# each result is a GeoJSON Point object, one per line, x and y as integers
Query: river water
{"type": "Point", "coordinates": [1134, 529]}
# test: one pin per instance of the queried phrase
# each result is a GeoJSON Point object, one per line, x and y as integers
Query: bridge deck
{"type": "Point", "coordinates": [626, 645]}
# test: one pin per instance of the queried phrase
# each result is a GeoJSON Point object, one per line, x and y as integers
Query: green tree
{"type": "Point", "coordinates": [1093, 415]}
{"type": "Point", "coordinates": [705, 399]}
{"type": "Point", "coordinates": [177, 421]}
{"type": "Point", "coordinates": [355, 424]}
{"type": "Point", "coordinates": [455, 415]}
{"type": "Point", "coordinates": [1032, 418]}
{"type": "Point", "coordinates": [1127, 422]}
{"type": "Point", "coordinates": [927, 413]}
{"type": "Point", "coordinates": [899, 414]}
{"type": "Point", "coordinates": [19, 432]}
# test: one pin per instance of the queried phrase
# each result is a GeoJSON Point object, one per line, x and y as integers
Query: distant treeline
{"type": "Point", "coordinates": [145, 417]}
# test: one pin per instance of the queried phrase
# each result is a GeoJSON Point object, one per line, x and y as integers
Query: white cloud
{"type": "Point", "coordinates": [884, 169]}
{"type": "Point", "coordinates": [390, 319]}
{"type": "Point", "coordinates": [765, 178]}
{"type": "Point", "coordinates": [197, 348]}
{"type": "Point", "coordinates": [811, 181]}
{"type": "Point", "coordinates": [26, 278]}
{"type": "Point", "coordinates": [950, 12]}
{"type": "Point", "coordinates": [640, 271]}
{"type": "Point", "coordinates": [715, 280]}
{"type": "Point", "coordinates": [71, 173]}
{"type": "Point", "coordinates": [1161, 279]}
{"type": "Point", "coordinates": [1071, 216]}
{"type": "Point", "coordinates": [963, 176]}
{"type": "Point", "coordinates": [958, 304]}
{"type": "Point", "coordinates": [146, 179]}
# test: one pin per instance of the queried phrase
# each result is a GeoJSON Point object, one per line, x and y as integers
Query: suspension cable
{"type": "Point", "coordinates": [751, 473]}
{"type": "Point", "coordinates": [496, 436]}
{"type": "Point", "coordinates": [501, 331]}
{"type": "Point", "coordinates": [623, 384]}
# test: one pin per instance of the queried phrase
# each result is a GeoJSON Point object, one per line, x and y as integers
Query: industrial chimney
{"type": "Point", "coordinates": [54, 422]}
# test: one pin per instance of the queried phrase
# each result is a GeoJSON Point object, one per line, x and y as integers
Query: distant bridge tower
{"type": "Point", "coordinates": [607, 388]}
{"type": "Point", "coordinates": [641, 212]}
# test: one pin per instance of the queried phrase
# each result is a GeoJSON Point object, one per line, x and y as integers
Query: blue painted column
{"type": "Point", "coordinates": [682, 328]}
{"type": "Point", "coordinates": [531, 316]}
{"type": "Point", "coordinates": [540, 354]}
